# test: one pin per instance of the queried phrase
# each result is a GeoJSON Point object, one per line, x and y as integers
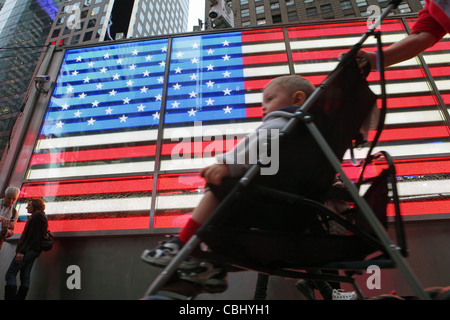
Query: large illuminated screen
{"type": "Point", "coordinates": [129, 124]}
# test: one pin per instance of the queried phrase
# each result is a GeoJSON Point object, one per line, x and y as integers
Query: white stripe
{"type": "Point", "coordinates": [413, 117]}
{"type": "Point", "coordinates": [178, 202]}
{"type": "Point", "coordinates": [414, 150]}
{"type": "Point", "coordinates": [269, 71]}
{"type": "Point", "coordinates": [265, 47]}
{"type": "Point", "coordinates": [99, 139]}
{"type": "Point", "coordinates": [186, 164]}
{"type": "Point", "coordinates": [92, 170]}
{"type": "Point", "coordinates": [341, 42]}
{"type": "Point", "coordinates": [93, 206]}
{"type": "Point", "coordinates": [200, 130]}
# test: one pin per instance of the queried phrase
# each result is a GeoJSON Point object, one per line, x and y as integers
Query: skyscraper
{"type": "Point", "coordinates": [24, 26]}
{"type": "Point", "coordinates": [91, 21]}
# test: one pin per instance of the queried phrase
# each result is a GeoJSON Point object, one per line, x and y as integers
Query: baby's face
{"type": "Point", "coordinates": [275, 97]}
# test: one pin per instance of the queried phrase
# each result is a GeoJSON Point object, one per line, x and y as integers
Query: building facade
{"type": "Point", "coordinates": [27, 26]}
{"type": "Point", "coordinates": [267, 12]}
{"type": "Point", "coordinates": [91, 21]}
{"type": "Point", "coordinates": [24, 26]}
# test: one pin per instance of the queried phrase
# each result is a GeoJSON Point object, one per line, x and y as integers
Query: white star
{"type": "Point", "coordinates": [65, 106]}
{"type": "Point", "coordinates": [226, 74]}
{"type": "Point", "coordinates": [99, 86]}
{"type": "Point", "coordinates": [158, 97]}
{"type": "Point", "coordinates": [210, 67]}
{"type": "Point", "coordinates": [103, 70]}
{"type": "Point", "coordinates": [112, 93]}
{"type": "Point", "coordinates": [209, 102]}
{"type": "Point", "coordinates": [148, 58]}
{"type": "Point", "coordinates": [146, 73]}
{"type": "Point", "coordinates": [141, 107]}
{"type": "Point", "coordinates": [91, 64]}
{"type": "Point", "coordinates": [123, 118]}
{"type": "Point", "coordinates": [210, 84]}
{"type": "Point", "coordinates": [69, 89]}
{"type": "Point", "coordinates": [194, 60]}
{"type": "Point", "coordinates": [195, 45]}
{"type": "Point", "coordinates": [160, 80]}
{"type": "Point", "coordinates": [210, 51]}
{"type": "Point", "coordinates": [106, 56]}
{"type": "Point", "coordinates": [225, 43]}
{"type": "Point", "coordinates": [116, 76]}
{"type": "Point", "coordinates": [227, 109]}
{"type": "Point", "coordinates": [119, 61]}
{"type": "Point", "coordinates": [126, 100]}
{"type": "Point", "coordinates": [77, 114]}
{"type": "Point", "coordinates": [192, 112]}
{"type": "Point", "coordinates": [155, 115]}
{"type": "Point", "coordinates": [74, 73]}
{"type": "Point", "coordinates": [129, 83]}
{"type": "Point", "coordinates": [95, 103]}
{"type": "Point", "coordinates": [135, 52]}
{"type": "Point", "coordinates": [178, 70]}
{"type": "Point", "coordinates": [79, 59]}
{"type": "Point", "coordinates": [179, 54]}
{"type": "Point", "coordinates": [226, 58]}
{"type": "Point", "coordinates": [109, 110]}
{"type": "Point", "coordinates": [164, 49]}
{"type": "Point", "coordinates": [177, 86]}
{"type": "Point", "coordinates": [194, 76]}
{"type": "Point", "coordinates": [175, 104]}
{"type": "Point", "coordinates": [144, 89]}
{"type": "Point", "coordinates": [59, 124]}
{"type": "Point", "coordinates": [132, 67]}
{"type": "Point", "coordinates": [193, 94]}
{"type": "Point", "coordinates": [162, 64]}
{"type": "Point", "coordinates": [91, 122]}
{"type": "Point", "coordinates": [86, 80]}
{"type": "Point", "coordinates": [226, 92]}
{"type": "Point", "coordinates": [82, 96]}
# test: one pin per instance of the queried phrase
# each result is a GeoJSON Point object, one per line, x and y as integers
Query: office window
{"type": "Point", "coordinates": [404, 8]}
{"type": "Point", "coordinates": [245, 13]}
{"type": "Point", "coordinates": [259, 9]}
{"type": "Point", "coordinates": [345, 5]}
{"type": "Point", "coordinates": [311, 11]}
{"type": "Point", "coordinates": [326, 8]}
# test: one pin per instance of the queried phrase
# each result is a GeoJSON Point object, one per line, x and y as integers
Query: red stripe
{"type": "Point", "coordinates": [403, 168]}
{"type": "Point", "coordinates": [254, 112]}
{"type": "Point", "coordinates": [116, 223]}
{"type": "Point", "coordinates": [265, 58]}
{"type": "Point", "coordinates": [256, 84]}
{"type": "Point", "coordinates": [94, 154]}
{"type": "Point", "coordinates": [262, 35]}
{"type": "Point", "coordinates": [411, 133]}
{"type": "Point", "coordinates": [421, 208]}
{"type": "Point", "coordinates": [88, 187]}
{"type": "Point", "coordinates": [411, 101]}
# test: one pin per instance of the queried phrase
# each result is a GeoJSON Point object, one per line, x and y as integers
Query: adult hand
{"type": "Point", "coordinates": [19, 258]}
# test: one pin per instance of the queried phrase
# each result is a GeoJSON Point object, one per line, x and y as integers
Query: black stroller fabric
{"type": "Point", "coordinates": [260, 228]}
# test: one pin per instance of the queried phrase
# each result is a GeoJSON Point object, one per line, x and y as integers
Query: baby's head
{"type": "Point", "coordinates": [285, 91]}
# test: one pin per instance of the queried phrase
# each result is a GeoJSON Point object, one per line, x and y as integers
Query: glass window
{"type": "Point", "coordinates": [245, 13]}
{"type": "Point", "coordinates": [312, 11]}
{"type": "Point", "coordinates": [326, 8]}
{"type": "Point", "coordinates": [259, 9]}
{"type": "Point", "coordinates": [404, 8]}
{"type": "Point", "coordinates": [345, 5]}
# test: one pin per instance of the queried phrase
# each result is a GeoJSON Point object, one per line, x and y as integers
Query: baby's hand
{"type": "Point", "coordinates": [214, 174]}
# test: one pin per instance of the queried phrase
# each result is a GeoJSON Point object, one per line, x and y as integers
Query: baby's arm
{"type": "Point", "coordinates": [213, 174]}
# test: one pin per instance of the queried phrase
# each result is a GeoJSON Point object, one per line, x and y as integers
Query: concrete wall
{"type": "Point", "coordinates": [111, 268]}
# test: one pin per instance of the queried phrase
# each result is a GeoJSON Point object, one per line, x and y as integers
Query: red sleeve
{"type": "Point", "coordinates": [426, 23]}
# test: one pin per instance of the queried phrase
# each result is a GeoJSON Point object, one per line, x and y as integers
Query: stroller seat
{"type": "Point", "coordinates": [279, 225]}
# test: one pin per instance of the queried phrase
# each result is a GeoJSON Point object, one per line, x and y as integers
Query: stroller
{"type": "Point", "coordinates": [285, 229]}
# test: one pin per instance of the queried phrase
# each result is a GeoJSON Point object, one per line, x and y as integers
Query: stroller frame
{"type": "Point", "coordinates": [302, 115]}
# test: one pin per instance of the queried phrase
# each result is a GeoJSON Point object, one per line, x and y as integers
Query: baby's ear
{"type": "Point", "coordinates": [299, 98]}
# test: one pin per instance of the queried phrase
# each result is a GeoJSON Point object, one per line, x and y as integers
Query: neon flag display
{"type": "Point", "coordinates": [129, 125]}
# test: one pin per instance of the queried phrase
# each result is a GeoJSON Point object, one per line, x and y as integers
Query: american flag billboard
{"type": "Point", "coordinates": [129, 125]}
